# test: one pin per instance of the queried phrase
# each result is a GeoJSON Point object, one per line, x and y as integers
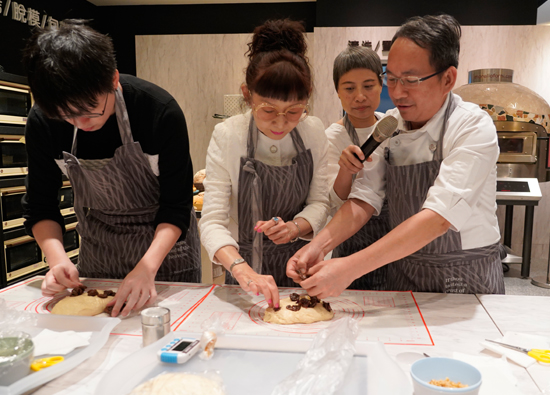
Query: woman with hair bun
{"type": "Point", "coordinates": [266, 186]}
{"type": "Point", "coordinates": [357, 75]}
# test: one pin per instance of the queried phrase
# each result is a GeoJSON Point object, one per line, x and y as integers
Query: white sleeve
{"type": "Point", "coordinates": [473, 152]}
{"type": "Point", "coordinates": [316, 209]}
{"type": "Point", "coordinates": [370, 184]}
{"type": "Point", "coordinates": [333, 168]}
{"type": "Point", "coordinates": [214, 222]}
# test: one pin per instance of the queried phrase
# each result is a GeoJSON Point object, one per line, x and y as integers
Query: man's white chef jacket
{"type": "Point", "coordinates": [464, 192]}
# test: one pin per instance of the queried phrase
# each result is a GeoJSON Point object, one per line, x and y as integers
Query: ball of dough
{"type": "Point", "coordinates": [179, 384]}
{"type": "Point", "coordinates": [305, 315]}
{"type": "Point", "coordinates": [81, 305]}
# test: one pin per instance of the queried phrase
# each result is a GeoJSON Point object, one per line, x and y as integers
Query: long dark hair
{"type": "Point", "coordinates": [69, 67]}
{"type": "Point", "coordinates": [278, 67]}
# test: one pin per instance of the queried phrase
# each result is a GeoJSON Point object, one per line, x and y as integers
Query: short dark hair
{"type": "Point", "coordinates": [278, 68]}
{"type": "Point", "coordinates": [440, 34]}
{"type": "Point", "coordinates": [69, 67]}
{"type": "Point", "coordinates": [356, 58]}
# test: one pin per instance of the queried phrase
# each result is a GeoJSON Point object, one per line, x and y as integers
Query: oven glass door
{"type": "Point", "coordinates": [511, 145]}
{"type": "Point", "coordinates": [11, 206]}
{"type": "Point", "coordinates": [14, 154]}
{"type": "Point", "coordinates": [14, 101]}
{"type": "Point", "coordinates": [517, 147]}
{"type": "Point", "coordinates": [70, 240]}
{"type": "Point", "coordinates": [21, 255]}
{"type": "Point", "coordinates": [66, 198]}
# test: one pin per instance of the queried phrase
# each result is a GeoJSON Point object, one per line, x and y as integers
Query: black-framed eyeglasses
{"type": "Point", "coordinates": [407, 82]}
{"type": "Point", "coordinates": [91, 114]}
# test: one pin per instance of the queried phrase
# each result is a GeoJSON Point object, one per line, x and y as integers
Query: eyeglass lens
{"type": "Point", "coordinates": [92, 114]}
{"type": "Point", "coordinates": [292, 114]}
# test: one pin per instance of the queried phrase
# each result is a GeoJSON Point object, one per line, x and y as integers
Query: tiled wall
{"type": "Point", "coordinates": [199, 69]}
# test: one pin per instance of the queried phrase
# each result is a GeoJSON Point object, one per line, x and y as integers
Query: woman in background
{"type": "Point", "coordinates": [357, 78]}
{"type": "Point", "coordinates": [266, 181]}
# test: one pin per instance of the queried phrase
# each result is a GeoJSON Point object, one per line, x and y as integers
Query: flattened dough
{"type": "Point", "coordinates": [81, 305]}
{"type": "Point", "coordinates": [302, 316]}
{"type": "Point", "coordinates": [179, 384]}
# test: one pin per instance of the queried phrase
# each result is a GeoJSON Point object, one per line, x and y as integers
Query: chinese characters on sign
{"type": "Point", "coordinates": [26, 15]}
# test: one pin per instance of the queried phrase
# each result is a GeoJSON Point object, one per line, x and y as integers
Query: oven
{"type": "Point", "coordinates": [23, 257]}
{"type": "Point", "coordinates": [15, 100]}
{"type": "Point", "coordinates": [12, 210]}
{"type": "Point", "coordinates": [13, 161]}
{"type": "Point", "coordinates": [523, 150]}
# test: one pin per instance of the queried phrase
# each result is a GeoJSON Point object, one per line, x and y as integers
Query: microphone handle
{"type": "Point", "coordinates": [368, 148]}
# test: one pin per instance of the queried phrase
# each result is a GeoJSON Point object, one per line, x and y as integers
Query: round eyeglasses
{"type": "Point", "coordinates": [89, 115]}
{"type": "Point", "coordinates": [407, 82]}
{"type": "Point", "coordinates": [267, 112]}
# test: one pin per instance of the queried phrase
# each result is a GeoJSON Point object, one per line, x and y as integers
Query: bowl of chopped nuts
{"type": "Point", "coordinates": [443, 376]}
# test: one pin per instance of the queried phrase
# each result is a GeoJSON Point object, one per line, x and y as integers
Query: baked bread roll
{"type": "Point", "coordinates": [198, 179]}
{"type": "Point", "coordinates": [197, 202]}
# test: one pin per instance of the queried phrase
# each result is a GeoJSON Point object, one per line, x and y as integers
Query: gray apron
{"type": "Point", "coordinates": [116, 201]}
{"type": "Point", "coordinates": [376, 228]}
{"type": "Point", "coordinates": [266, 191]}
{"type": "Point", "coordinates": [442, 265]}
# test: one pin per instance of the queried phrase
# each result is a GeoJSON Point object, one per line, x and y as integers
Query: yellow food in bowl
{"type": "Point", "coordinates": [447, 383]}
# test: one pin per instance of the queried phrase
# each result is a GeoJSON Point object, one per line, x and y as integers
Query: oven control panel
{"type": "Point", "coordinates": [518, 189]}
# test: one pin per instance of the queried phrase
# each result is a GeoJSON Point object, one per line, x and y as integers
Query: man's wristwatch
{"type": "Point", "coordinates": [236, 262]}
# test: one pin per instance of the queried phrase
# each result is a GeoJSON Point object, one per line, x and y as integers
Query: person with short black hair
{"type": "Point", "coordinates": [266, 170]}
{"type": "Point", "coordinates": [439, 176]}
{"type": "Point", "coordinates": [123, 144]}
{"type": "Point", "coordinates": [357, 74]}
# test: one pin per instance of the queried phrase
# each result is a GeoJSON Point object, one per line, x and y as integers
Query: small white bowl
{"type": "Point", "coordinates": [427, 369]}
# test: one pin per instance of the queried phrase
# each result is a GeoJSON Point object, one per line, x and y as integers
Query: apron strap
{"type": "Point", "coordinates": [73, 146]}
{"type": "Point", "coordinates": [438, 154]}
{"type": "Point", "coordinates": [123, 119]}
{"type": "Point", "coordinates": [351, 131]}
{"type": "Point", "coordinates": [257, 215]}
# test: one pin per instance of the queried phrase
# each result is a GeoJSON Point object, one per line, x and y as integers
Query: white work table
{"type": "Point", "coordinates": [456, 323]}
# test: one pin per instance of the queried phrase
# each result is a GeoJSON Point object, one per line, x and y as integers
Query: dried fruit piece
{"type": "Point", "coordinates": [79, 290]}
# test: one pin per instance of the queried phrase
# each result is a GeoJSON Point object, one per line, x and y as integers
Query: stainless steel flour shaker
{"type": "Point", "coordinates": [155, 324]}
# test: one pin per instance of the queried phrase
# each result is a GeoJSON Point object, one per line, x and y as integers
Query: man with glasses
{"type": "Point", "coordinates": [123, 144]}
{"type": "Point", "coordinates": [438, 173]}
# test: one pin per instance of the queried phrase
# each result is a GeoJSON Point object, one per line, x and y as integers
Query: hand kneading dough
{"type": "Point", "coordinates": [179, 384]}
{"type": "Point", "coordinates": [81, 305]}
{"type": "Point", "coordinates": [302, 316]}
